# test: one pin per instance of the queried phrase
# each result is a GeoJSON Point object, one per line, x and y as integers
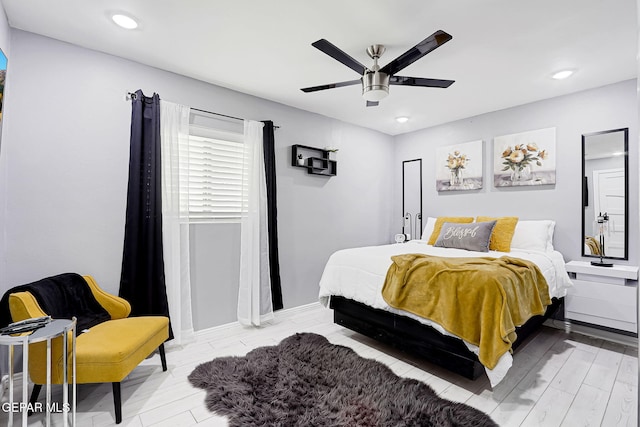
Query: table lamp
{"type": "Point", "coordinates": [600, 228]}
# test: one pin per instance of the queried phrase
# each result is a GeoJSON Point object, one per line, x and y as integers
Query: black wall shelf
{"type": "Point", "coordinates": [316, 160]}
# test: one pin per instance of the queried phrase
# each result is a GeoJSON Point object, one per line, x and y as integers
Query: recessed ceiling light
{"type": "Point", "coordinates": [402, 119]}
{"type": "Point", "coordinates": [560, 75]}
{"type": "Point", "coordinates": [124, 21]}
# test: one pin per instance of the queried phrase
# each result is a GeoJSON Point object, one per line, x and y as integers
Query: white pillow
{"type": "Point", "coordinates": [534, 235]}
{"type": "Point", "coordinates": [428, 229]}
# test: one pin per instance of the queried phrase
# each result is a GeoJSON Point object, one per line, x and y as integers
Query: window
{"type": "Point", "coordinates": [213, 172]}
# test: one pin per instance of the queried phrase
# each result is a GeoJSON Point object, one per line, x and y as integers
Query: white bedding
{"type": "Point", "coordinates": [359, 274]}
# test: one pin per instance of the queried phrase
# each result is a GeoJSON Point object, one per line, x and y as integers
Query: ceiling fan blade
{"type": "Point", "coordinates": [339, 55]}
{"type": "Point", "coordinates": [419, 81]}
{"type": "Point", "coordinates": [331, 86]}
{"type": "Point", "coordinates": [427, 45]}
{"type": "Point", "coordinates": [372, 103]}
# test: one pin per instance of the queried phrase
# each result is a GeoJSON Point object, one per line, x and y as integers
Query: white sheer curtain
{"type": "Point", "coordinates": [174, 132]}
{"type": "Point", "coordinates": [254, 295]}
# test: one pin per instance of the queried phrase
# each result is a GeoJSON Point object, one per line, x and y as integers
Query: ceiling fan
{"type": "Point", "coordinates": [375, 80]}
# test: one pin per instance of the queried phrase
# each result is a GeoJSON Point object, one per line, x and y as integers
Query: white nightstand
{"type": "Point", "coordinates": [605, 296]}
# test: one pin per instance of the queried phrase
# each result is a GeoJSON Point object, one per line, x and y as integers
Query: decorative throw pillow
{"type": "Point", "coordinates": [441, 220]}
{"type": "Point", "coordinates": [472, 237]}
{"type": "Point", "coordinates": [502, 233]}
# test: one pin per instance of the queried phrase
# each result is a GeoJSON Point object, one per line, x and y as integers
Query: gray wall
{"type": "Point", "coordinates": [215, 268]}
{"type": "Point", "coordinates": [64, 163]}
{"type": "Point", "coordinates": [609, 107]}
{"type": "Point", "coordinates": [5, 45]}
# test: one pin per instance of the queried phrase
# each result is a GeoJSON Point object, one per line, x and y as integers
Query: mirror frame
{"type": "Point", "coordinates": [626, 192]}
{"type": "Point", "coordinates": [418, 214]}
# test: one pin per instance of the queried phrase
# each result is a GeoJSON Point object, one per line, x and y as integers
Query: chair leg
{"type": "Point", "coordinates": [163, 358]}
{"type": "Point", "coordinates": [34, 396]}
{"type": "Point", "coordinates": [117, 398]}
{"type": "Point", "coordinates": [117, 402]}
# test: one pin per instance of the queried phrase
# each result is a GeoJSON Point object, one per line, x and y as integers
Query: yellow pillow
{"type": "Point", "coordinates": [502, 232]}
{"type": "Point", "coordinates": [441, 220]}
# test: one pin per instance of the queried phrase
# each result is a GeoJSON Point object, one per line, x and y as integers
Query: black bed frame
{"type": "Point", "coordinates": [413, 337]}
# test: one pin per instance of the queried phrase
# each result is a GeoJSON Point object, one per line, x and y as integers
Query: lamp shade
{"type": "Point", "coordinates": [601, 225]}
{"type": "Point", "coordinates": [375, 86]}
{"type": "Point", "coordinates": [375, 94]}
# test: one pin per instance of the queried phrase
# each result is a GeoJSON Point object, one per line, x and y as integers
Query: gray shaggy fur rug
{"type": "Point", "coordinates": [307, 381]}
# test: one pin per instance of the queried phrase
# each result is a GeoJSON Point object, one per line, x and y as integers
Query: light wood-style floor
{"type": "Point", "coordinates": [558, 379]}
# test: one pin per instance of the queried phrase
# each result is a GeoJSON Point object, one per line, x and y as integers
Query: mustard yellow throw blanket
{"type": "Point", "coordinates": [480, 300]}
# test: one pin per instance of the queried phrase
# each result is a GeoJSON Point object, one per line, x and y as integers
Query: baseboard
{"type": "Point", "coordinates": [293, 310]}
{"type": "Point", "coordinates": [202, 333]}
{"type": "Point", "coordinates": [594, 332]}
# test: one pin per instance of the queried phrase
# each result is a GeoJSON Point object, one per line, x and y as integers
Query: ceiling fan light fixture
{"type": "Point", "coordinates": [375, 86]}
{"type": "Point", "coordinates": [561, 75]}
{"type": "Point", "coordinates": [375, 94]}
{"type": "Point", "coordinates": [124, 21]}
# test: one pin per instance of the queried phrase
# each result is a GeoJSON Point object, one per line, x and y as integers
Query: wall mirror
{"type": "Point", "coordinates": [3, 74]}
{"type": "Point", "coordinates": [412, 198]}
{"type": "Point", "coordinates": [605, 191]}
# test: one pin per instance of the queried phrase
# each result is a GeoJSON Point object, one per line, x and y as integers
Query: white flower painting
{"type": "Point", "coordinates": [459, 167]}
{"type": "Point", "coordinates": [527, 158]}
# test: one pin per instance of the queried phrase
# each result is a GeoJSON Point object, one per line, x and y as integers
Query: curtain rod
{"type": "Point", "coordinates": [132, 95]}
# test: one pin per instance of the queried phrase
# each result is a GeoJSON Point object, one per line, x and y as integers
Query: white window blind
{"type": "Point", "coordinates": [213, 175]}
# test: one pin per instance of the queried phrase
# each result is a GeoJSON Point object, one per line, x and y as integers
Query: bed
{"type": "Point", "coordinates": [353, 280]}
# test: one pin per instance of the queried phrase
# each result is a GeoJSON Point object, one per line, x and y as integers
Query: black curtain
{"type": "Point", "coordinates": [142, 280]}
{"type": "Point", "coordinates": [272, 212]}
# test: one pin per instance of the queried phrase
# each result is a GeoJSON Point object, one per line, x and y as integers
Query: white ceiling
{"type": "Point", "coordinates": [502, 53]}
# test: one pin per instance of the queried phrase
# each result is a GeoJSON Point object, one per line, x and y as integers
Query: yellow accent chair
{"type": "Point", "coordinates": [107, 352]}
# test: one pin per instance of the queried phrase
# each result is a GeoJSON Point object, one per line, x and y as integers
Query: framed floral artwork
{"type": "Point", "coordinates": [459, 167]}
{"type": "Point", "coordinates": [525, 159]}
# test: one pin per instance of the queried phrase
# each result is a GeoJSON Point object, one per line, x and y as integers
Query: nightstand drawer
{"type": "Point", "coordinates": [602, 300]}
{"type": "Point", "coordinates": [603, 291]}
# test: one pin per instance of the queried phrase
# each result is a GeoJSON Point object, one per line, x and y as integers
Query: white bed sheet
{"type": "Point", "coordinates": [359, 274]}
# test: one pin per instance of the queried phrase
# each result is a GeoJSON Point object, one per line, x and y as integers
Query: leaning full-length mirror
{"type": "Point", "coordinates": [3, 75]}
{"type": "Point", "coordinates": [605, 191]}
{"type": "Point", "coordinates": [412, 197]}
